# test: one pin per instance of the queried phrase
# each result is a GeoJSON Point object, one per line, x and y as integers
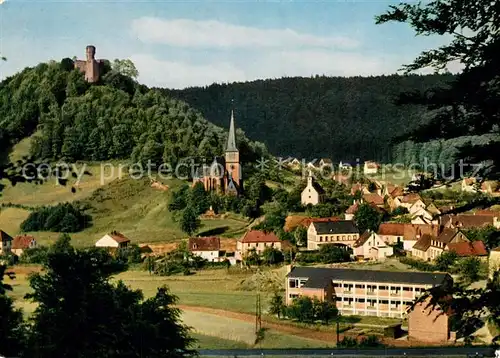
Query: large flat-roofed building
{"type": "Point", "coordinates": [362, 292]}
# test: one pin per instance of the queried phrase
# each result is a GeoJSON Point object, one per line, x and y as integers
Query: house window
{"type": "Point", "coordinates": [292, 283]}
{"type": "Point", "coordinates": [293, 295]}
{"type": "Point", "coordinates": [343, 237]}
{"type": "Point", "coordinates": [348, 237]}
{"type": "Point", "coordinates": [360, 286]}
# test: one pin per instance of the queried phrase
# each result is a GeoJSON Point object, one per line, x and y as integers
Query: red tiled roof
{"type": "Point", "coordinates": [412, 230]}
{"type": "Point", "coordinates": [352, 209]}
{"type": "Point", "coordinates": [259, 236]}
{"type": "Point", "coordinates": [204, 244]}
{"type": "Point", "coordinates": [447, 235]}
{"type": "Point", "coordinates": [474, 248]}
{"type": "Point", "coordinates": [22, 242]}
{"type": "Point", "coordinates": [308, 221]}
{"type": "Point", "coordinates": [423, 243]}
{"type": "Point", "coordinates": [411, 198]}
{"type": "Point", "coordinates": [119, 237]}
{"type": "Point", "coordinates": [374, 199]}
{"type": "Point", "coordinates": [487, 212]}
{"type": "Point", "coordinates": [362, 239]}
{"type": "Point", "coordinates": [397, 191]}
{"type": "Point", "coordinates": [391, 229]}
{"type": "Point", "coordinates": [467, 221]}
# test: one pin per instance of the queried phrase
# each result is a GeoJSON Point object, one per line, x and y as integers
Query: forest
{"type": "Point", "coordinates": [117, 118]}
{"type": "Point", "coordinates": [340, 118]}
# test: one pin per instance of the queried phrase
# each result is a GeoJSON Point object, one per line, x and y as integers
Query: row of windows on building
{"type": "Point", "coordinates": [298, 283]}
{"type": "Point", "coordinates": [337, 238]}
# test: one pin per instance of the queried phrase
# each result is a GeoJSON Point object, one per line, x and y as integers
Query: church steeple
{"type": "Point", "coordinates": [231, 139]}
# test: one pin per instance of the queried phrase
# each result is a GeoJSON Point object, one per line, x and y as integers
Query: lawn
{"type": "Point", "coordinates": [208, 288]}
{"type": "Point", "coordinates": [128, 205]}
{"type": "Point", "coordinates": [232, 330]}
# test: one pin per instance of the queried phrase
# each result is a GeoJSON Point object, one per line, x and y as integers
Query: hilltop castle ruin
{"type": "Point", "coordinates": [91, 67]}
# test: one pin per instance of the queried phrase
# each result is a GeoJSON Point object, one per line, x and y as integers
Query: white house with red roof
{"type": "Point", "coordinates": [113, 240]}
{"type": "Point", "coordinates": [207, 248]}
{"type": "Point", "coordinates": [258, 240]}
{"type": "Point", "coordinates": [21, 243]}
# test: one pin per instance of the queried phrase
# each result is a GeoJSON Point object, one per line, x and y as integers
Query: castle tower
{"type": "Point", "coordinates": [232, 155]}
{"type": "Point", "coordinates": [90, 51]}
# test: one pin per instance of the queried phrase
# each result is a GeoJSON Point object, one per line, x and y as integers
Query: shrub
{"type": "Point", "coordinates": [65, 217]}
{"type": "Point", "coordinates": [36, 255]}
{"type": "Point", "coordinates": [418, 264]}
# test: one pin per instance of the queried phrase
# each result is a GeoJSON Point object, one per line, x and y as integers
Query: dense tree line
{"type": "Point", "coordinates": [470, 104]}
{"type": "Point", "coordinates": [341, 118]}
{"type": "Point", "coordinates": [75, 297]}
{"type": "Point", "coordinates": [115, 118]}
{"type": "Point", "coordinates": [66, 217]}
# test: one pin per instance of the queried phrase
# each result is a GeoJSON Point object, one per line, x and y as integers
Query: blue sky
{"type": "Point", "coordinates": [186, 43]}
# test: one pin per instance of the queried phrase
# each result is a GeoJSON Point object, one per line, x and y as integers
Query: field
{"type": "Point", "coordinates": [219, 307]}
{"type": "Point", "coordinates": [128, 205]}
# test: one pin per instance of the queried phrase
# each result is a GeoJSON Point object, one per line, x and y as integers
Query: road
{"type": "Point", "coordinates": [438, 351]}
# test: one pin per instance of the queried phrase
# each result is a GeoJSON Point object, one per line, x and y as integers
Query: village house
{"type": "Point", "coordinates": [417, 207]}
{"type": "Point", "coordinates": [351, 211]}
{"type": "Point", "coordinates": [21, 243]}
{"type": "Point", "coordinates": [371, 246]}
{"type": "Point", "coordinates": [342, 232]}
{"type": "Point", "coordinates": [469, 185]}
{"type": "Point", "coordinates": [325, 162]}
{"type": "Point", "coordinates": [294, 163]}
{"type": "Point", "coordinates": [313, 193]}
{"type": "Point", "coordinates": [493, 262]}
{"type": "Point", "coordinates": [358, 187]}
{"type": "Point", "coordinates": [258, 240]}
{"type": "Point", "coordinates": [113, 240]}
{"type": "Point", "coordinates": [429, 247]}
{"type": "Point", "coordinates": [313, 164]}
{"type": "Point", "coordinates": [407, 201]}
{"type": "Point", "coordinates": [6, 243]}
{"type": "Point", "coordinates": [207, 248]}
{"type": "Point", "coordinates": [421, 216]}
{"type": "Point", "coordinates": [370, 168]}
{"type": "Point", "coordinates": [468, 249]}
{"type": "Point", "coordinates": [375, 199]}
{"type": "Point", "coordinates": [413, 233]}
{"type": "Point", "coordinates": [391, 233]}
{"type": "Point", "coordinates": [362, 292]}
{"type": "Point", "coordinates": [469, 221]}
{"type": "Point", "coordinates": [428, 322]}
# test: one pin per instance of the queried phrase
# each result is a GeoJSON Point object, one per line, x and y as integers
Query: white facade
{"type": "Point", "coordinates": [370, 169]}
{"type": "Point", "coordinates": [380, 253]}
{"type": "Point", "coordinates": [417, 207]}
{"type": "Point", "coordinates": [310, 195]}
{"type": "Point", "coordinates": [373, 241]}
{"type": "Point", "coordinates": [408, 244]}
{"type": "Point", "coordinates": [211, 256]}
{"type": "Point", "coordinates": [107, 241]}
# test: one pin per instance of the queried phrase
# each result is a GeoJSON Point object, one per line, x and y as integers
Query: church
{"type": "Point", "coordinates": [224, 175]}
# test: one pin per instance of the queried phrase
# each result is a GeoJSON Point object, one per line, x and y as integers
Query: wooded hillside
{"type": "Point", "coordinates": [341, 118]}
{"type": "Point", "coordinates": [116, 118]}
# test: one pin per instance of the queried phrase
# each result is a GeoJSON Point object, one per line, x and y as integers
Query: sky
{"type": "Point", "coordinates": [178, 44]}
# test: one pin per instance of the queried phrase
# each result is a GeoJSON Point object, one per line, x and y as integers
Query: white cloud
{"type": "Point", "coordinates": [215, 34]}
{"type": "Point", "coordinates": [176, 74]}
{"type": "Point", "coordinates": [154, 72]}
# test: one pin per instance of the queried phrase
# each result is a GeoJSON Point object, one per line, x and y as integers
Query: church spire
{"type": "Point", "coordinates": [231, 139]}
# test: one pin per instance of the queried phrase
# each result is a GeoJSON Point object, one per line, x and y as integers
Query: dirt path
{"type": "Point", "coordinates": [329, 337]}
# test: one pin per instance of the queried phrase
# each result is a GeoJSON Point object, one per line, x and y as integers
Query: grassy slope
{"type": "Point", "coordinates": [120, 203]}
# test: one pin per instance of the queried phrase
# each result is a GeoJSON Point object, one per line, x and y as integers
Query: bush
{"type": "Point", "coordinates": [327, 254]}
{"type": "Point", "coordinates": [36, 255]}
{"type": "Point", "coordinates": [65, 217]}
{"type": "Point", "coordinates": [306, 309]}
{"type": "Point", "coordinates": [418, 264]}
